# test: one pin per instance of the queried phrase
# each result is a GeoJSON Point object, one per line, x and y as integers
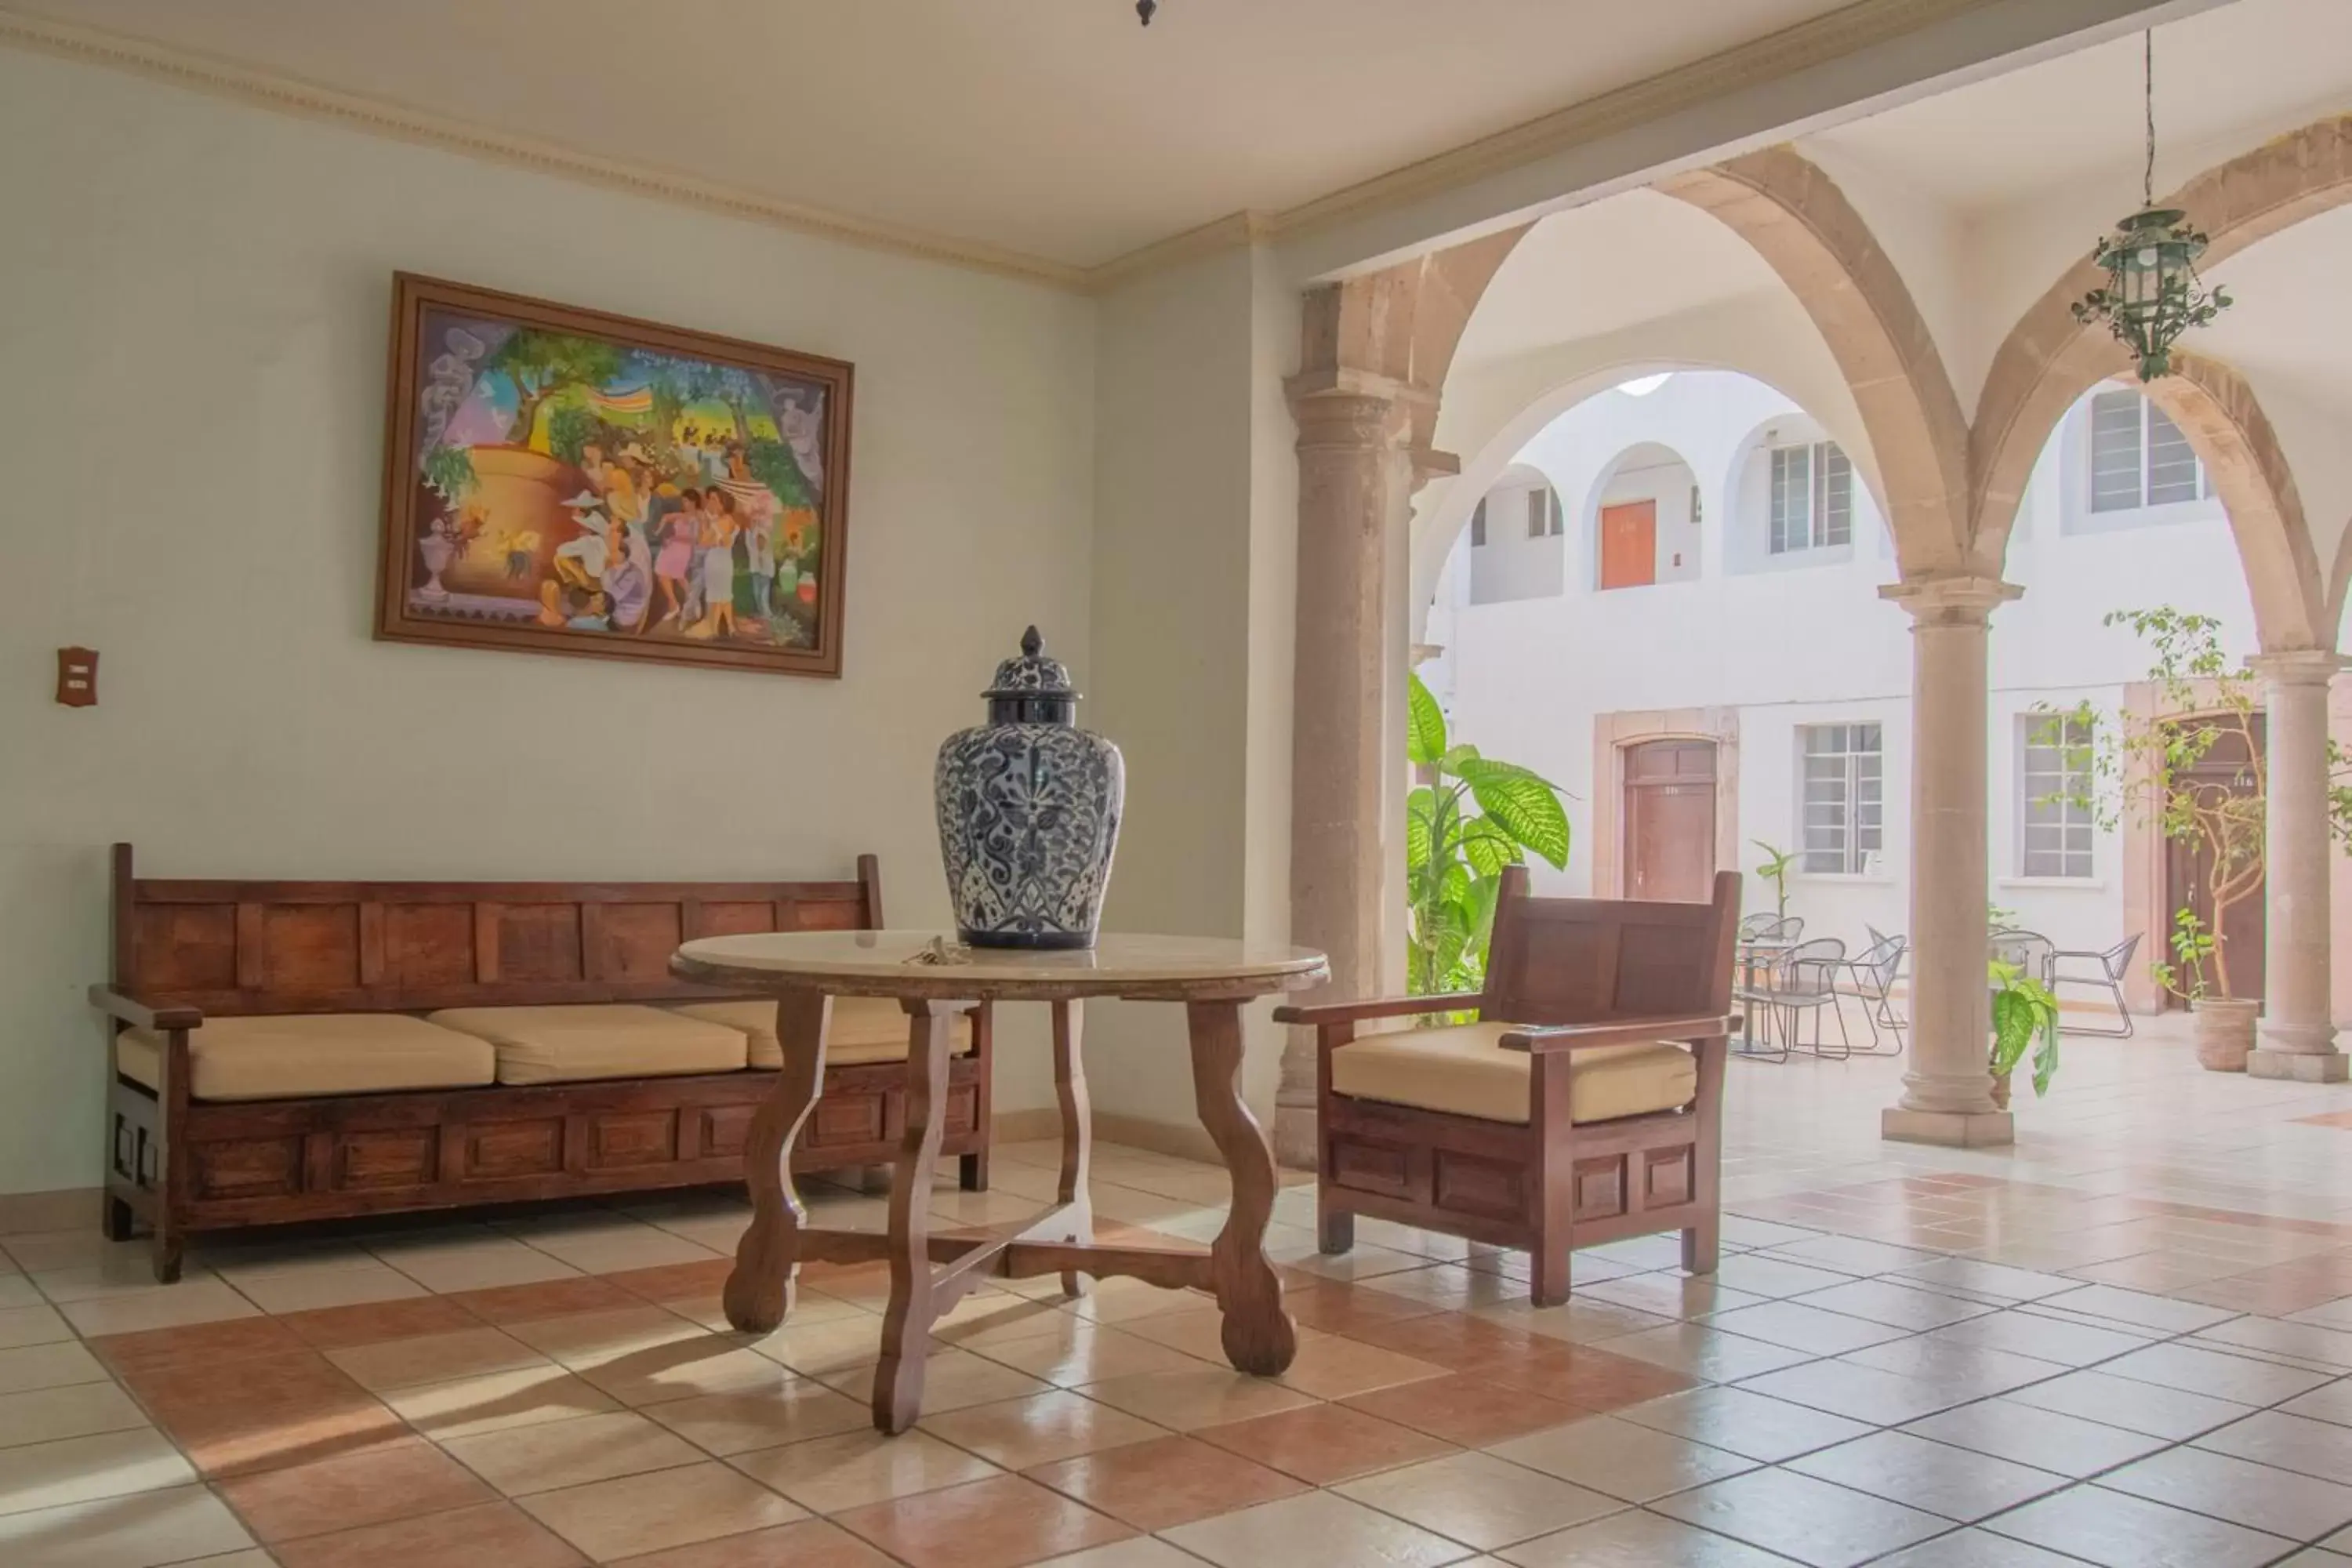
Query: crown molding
{"type": "Point", "coordinates": [291, 95]}
{"type": "Point", "coordinates": [1805, 46]}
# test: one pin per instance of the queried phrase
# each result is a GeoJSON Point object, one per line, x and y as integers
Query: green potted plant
{"type": "Point", "coordinates": [2167, 771]}
{"type": "Point", "coordinates": [2024, 1014]}
{"type": "Point", "coordinates": [1468, 819]}
{"type": "Point", "coordinates": [1777, 870]}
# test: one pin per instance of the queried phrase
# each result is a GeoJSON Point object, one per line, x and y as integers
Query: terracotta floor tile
{"type": "Point", "coordinates": [674, 1281]}
{"type": "Point", "coordinates": [201, 1344]}
{"type": "Point", "coordinates": [1331, 1367]}
{"type": "Point", "coordinates": [1342, 1309]}
{"type": "Point", "coordinates": [856, 1468]}
{"type": "Point", "coordinates": [545, 1299]}
{"type": "Point", "coordinates": [1591, 1379]}
{"type": "Point", "coordinates": [812, 1543]}
{"type": "Point", "coordinates": [998, 1523]}
{"type": "Point", "coordinates": [1465, 1409]}
{"type": "Point", "coordinates": [1183, 1401]}
{"type": "Point", "coordinates": [497, 1401]}
{"type": "Point", "coordinates": [395, 1479]}
{"type": "Point", "coordinates": [1449, 1339]}
{"type": "Point", "coordinates": [1166, 1483]}
{"type": "Point", "coordinates": [1324, 1444]}
{"type": "Point", "coordinates": [342, 1328]}
{"type": "Point", "coordinates": [629, 1515]}
{"type": "Point", "coordinates": [262, 1413]}
{"type": "Point", "coordinates": [1020, 1432]}
{"type": "Point", "coordinates": [494, 1535]}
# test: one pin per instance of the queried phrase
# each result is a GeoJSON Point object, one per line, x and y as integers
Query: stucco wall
{"type": "Point", "coordinates": [192, 428]}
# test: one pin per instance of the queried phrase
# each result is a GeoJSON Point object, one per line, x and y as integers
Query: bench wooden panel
{"type": "Point", "coordinates": [235, 949]}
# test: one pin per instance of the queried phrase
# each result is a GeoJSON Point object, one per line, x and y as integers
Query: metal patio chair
{"type": "Point", "coordinates": [1870, 977]}
{"type": "Point", "coordinates": [1804, 980]}
{"type": "Point", "coordinates": [2112, 966]}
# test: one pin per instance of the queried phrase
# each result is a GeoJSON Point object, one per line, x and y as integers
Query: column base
{"type": "Point", "coordinates": [2302, 1066]}
{"type": "Point", "coordinates": [1295, 1145]}
{"type": "Point", "coordinates": [1952, 1129]}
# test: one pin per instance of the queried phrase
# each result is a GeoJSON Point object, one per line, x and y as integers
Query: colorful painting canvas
{"type": "Point", "coordinates": [561, 480]}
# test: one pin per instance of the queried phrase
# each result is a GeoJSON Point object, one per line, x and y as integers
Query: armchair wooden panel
{"type": "Point", "coordinates": [1613, 1012]}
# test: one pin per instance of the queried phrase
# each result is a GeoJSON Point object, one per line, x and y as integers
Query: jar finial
{"type": "Point", "coordinates": [1031, 645]}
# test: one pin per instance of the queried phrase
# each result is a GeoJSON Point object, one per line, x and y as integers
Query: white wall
{"type": "Point", "coordinates": [192, 428]}
{"type": "Point", "coordinates": [1805, 644]}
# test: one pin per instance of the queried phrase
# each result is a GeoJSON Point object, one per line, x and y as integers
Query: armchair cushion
{"type": "Point", "coordinates": [864, 1029]}
{"type": "Point", "coordinates": [1466, 1071]}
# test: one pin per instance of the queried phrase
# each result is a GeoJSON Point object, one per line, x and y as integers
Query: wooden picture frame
{"type": "Point", "coordinates": [566, 481]}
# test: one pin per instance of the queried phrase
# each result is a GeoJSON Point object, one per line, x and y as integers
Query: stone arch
{"type": "Point", "coordinates": [2218, 411]}
{"type": "Point", "coordinates": [1797, 219]}
{"type": "Point", "coordinates": [2048, 360]}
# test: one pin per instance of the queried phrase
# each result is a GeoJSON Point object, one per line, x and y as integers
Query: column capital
{"type": "Point", "coordinates": [1956, 600]}
{"type": "Point", "coordinates": [2296, 666]}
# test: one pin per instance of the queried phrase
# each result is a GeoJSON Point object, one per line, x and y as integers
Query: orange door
{"type": "Point", "coordinates": [1629, 545]}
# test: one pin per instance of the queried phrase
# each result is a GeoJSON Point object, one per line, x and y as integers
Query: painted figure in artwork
{"type": "Point", "coordinates": [585, 486]}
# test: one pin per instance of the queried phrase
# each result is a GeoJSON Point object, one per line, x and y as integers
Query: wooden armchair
{"type": "Point", "coordinates": [1586, 1104]}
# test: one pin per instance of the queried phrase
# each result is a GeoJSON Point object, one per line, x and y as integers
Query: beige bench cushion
{"type": "Point", "coordinates": [573, 1043]}
{"type": "Point", "coordinates": [1464, 1072]}
{"type": "Point", "coordinates": [302, 1056]}
{"type": "Point", "coordinates": [864, 1029]}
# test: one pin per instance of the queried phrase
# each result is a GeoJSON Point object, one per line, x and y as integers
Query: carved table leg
{"type": "Point", "coordinates": [906, 1325]}
{"type": "Point", "coordinates": [1078, 1130]}
{"type": "Point", "coordinates": [1258, 1336]}
{"type": "Point", "coordinates": [768, 1258]}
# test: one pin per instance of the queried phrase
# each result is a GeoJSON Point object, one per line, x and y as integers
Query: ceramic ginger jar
{"type": "Point", "coordinates": [1029, 806]}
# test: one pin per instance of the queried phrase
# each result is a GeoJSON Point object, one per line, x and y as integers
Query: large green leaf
{"type": "Point", "coordinates": [1420, 809]}
{"type": "Point", "coordinates": [1488, 848]}
{"type": "Point", "coordinates": [1523, 804]}
{"type": "Point", "coordinates": [1424, 739]}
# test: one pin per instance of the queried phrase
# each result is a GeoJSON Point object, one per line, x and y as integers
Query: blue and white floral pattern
{"type": "Point", "coordinates": [1029, 812]}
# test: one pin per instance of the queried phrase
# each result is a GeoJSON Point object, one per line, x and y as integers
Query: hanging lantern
{"type": "Point", "coordinates": [2153, 293]}
{"type": "Point", "coordinates": [1144, 8]}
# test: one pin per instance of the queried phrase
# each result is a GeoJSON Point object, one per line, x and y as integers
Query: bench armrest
{"type": "Point", "coordinates": [139, 1014]}
{"type": "Point", "coordinates": [1618, 1032]}
{"type": "Point", "coordinates": [1323, 1013]}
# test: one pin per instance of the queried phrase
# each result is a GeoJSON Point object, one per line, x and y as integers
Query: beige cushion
{"type": "Point", "coordinates": [300, 1056]}
{"type": "Point", "coordinates": [1464, 1071]}
{"type": "Point", "coordinates": [572, 1042]}
{"type": "Point", "coordinates": [864, 1029]}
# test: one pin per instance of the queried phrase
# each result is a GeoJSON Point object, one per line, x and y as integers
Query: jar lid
{"type": "Point", "coordinates": [1032, 674]}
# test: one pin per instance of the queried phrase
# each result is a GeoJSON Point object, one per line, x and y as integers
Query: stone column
{"type": "Point", "coordinates": [1948, 1092]}
{"type": "Point", "coordinates": [2298, 1031]}
{"type": "Point", "coordinates": [1355, 478]}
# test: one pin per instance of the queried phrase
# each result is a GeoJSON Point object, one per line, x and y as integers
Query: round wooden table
{"type": "Point", "coordinates": [935, 979]}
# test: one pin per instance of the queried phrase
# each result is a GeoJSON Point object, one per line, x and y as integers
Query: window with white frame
{"type": "Point", "coordinates": [2138, 456]}
{"type": "Point", "coordinates": [1543, 512]}
{"type": "Point", "coordinates": [1479, 526]}
{"type": "Point", "coordinates": [2054, 821]}
{"type": "Point", "coordinates": [1841, 792]}
{"type": "Point", "coordinates": [1812, 498]}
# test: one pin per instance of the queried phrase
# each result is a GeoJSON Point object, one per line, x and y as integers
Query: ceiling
{"type": "Point", "coordinates": [2232, 76]}
{"type": "Point", "coordinates": [1053, 128]}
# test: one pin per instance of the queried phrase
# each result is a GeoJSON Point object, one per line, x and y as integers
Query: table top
{"type": "Point", "coordinates": [934, 965]}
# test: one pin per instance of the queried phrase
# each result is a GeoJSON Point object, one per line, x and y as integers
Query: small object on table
{"type": "Point", "coordinates": [1213, 978]}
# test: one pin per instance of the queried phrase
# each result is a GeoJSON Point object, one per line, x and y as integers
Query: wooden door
{"type": "Point", "coordinates": [1629, 547]}
{"type": "Point", "coordinates": [1670, 820]}
{"type": "Point", "coordinates": [2189, 878]}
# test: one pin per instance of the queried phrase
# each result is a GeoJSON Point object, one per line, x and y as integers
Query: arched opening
{"type": "Point", "coordinates": [1645, 520]}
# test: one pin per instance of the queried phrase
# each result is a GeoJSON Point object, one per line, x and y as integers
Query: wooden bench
{"type": "Point", "coordinates": [373, 958]}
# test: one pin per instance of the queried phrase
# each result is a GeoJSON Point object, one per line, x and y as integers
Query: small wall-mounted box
{"type": "Point", "coordinates": [78, 676]}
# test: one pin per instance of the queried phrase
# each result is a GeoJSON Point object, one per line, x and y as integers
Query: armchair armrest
{"type": "Point", "coordinates": [1325, 1013]}
{"type": "Point", "coordinates": [139, 1014]}
{"type": "Point", "coordinates": [1617, 1032]}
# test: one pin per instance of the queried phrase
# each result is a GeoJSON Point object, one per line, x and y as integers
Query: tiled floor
{"type": "Point", "coordinates": [2126, 1342]}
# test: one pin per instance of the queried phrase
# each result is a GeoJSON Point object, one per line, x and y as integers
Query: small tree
{"type": "Point", "coordinates": [1472, 817]}
{"type": "Point", "coordinates": [2197, 773]}
{"type": "Point", "coordinates": [1778, 868]}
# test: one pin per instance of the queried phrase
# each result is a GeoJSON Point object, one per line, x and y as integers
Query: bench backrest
{"type": "Point", "coordinates": [1587, 960]}
{"type": "Point", "coordinates": [244, 948]}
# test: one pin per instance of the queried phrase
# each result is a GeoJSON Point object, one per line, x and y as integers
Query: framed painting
{"type": "Point", "coordinates": [559, 481]}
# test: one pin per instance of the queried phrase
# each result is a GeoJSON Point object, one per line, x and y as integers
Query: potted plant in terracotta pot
{"type": "Point", "coordinates": [2197, 771]}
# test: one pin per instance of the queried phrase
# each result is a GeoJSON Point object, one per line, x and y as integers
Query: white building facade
{"type": "Point", "coordinates": [1713, 576]}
